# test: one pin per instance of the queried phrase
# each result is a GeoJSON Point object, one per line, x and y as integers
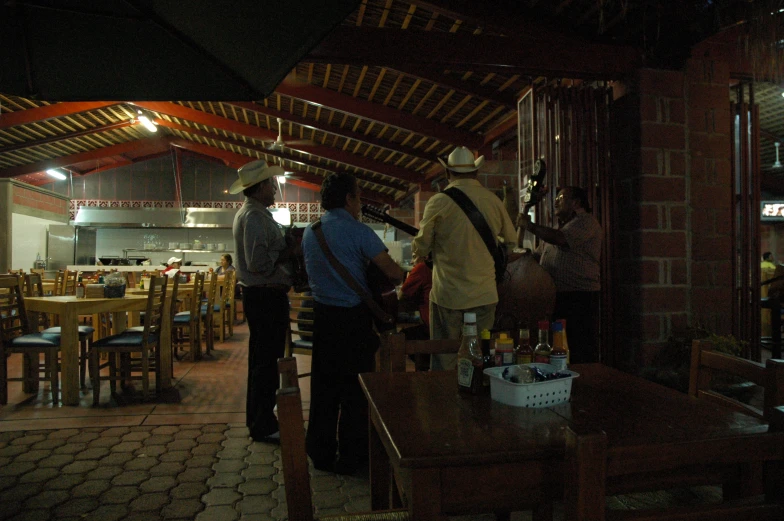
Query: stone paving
{"type": "Point", "coordinates": [202, 472]}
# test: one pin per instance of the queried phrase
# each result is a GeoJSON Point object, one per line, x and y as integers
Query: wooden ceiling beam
{"type": "Point", "coordinates": [98, 153]}
{"type": "Point", "coordinates": [330, 129]}
{"type": "Point", "coordinates": [378, 112]}
{"type": "Point", "coordinates": [464, 87]}
{"type": "Point", "coordinates": [273, 153]}
{"type": "Point", "coordinates": [62, 137]}
{"type": "Point", "coordinates": [243, 129]}
{"type": "Point", "coordinates": [56, 110]}
{"type": "Point", "coordinates": [479, 53]}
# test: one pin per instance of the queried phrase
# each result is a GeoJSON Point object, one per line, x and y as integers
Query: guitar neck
{"type": "Point", "coordinates": [378, 215]}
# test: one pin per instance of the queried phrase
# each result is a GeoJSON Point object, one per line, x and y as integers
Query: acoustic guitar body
{"type": "Point", "coordinates": [383, 293]}
{"type": "Point", "coordinates": [526, 296]}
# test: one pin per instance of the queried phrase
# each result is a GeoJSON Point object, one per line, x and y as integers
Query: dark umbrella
{"type": "Point", "coordinates": [70, 50]}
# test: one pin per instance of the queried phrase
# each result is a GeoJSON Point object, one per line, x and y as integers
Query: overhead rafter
{"type": "Point", "coordinates": [273, 153]}
{"type": "Point", "coordinates": [57, 110]}
{"type": "Point", "coordinates": [63, 137]}
{"type": "Point", "coordinates": [243, 129]}
{"type": "Point", "coordinates": [376, 111]}
{"type": "Point", "coordinates": [342, 132]}
{"type": "Point", "coordinates": [479, 53]}
{"type": "Point", "coordinates": [98, 153]}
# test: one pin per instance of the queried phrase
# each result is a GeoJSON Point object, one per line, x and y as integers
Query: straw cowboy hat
{"type": "Point", "coordinates": [254, 173]}
{"type": "Point", "coordinates": [461, 160]}
{"type": "Point", "coordinates": [172, 260]}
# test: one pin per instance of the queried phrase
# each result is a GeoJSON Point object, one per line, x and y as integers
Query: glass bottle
{"type": "Point", "coordinates": [469, 358]}
{"type": "Point", "coordinates": [488, 360]}
{"type": "Point", "coordinates": [542, 351]}
{"type": "Point", "coordinates": [524, 354]}
{"type": "Point", "coordinates": [504, 350]}
{"type": "Point", "coordinates": [558, 353]}
{"type": "Point", "coordinates": [565, 341]}
{"type": "Point", "coordinates": [80, 288]}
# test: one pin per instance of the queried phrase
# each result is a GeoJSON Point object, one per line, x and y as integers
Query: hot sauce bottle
{"type": "Point", "coordinates": [542, 351]}
{"type": "Point", "coordinates": [469, 358]}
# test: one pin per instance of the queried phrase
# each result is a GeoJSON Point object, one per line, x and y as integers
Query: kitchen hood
{"type": "Point", "coordinates": [165, 217]}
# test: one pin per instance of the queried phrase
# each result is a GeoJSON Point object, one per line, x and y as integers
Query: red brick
{"type": "Point", "coordinates": [722, 172]}
{"type": "Point", "coordinates": [700, 119]}
{"type": "Point", "coordinates": [707, 196]}
{"type": "Point", "coordinates": [722, 272]}
{"type": "Point", "coordinates": [651, 161]}
{"type": "Point", "coordinates": [678, 322]}
{"type": "Point", "coordinates": [641, 217]}
{"type": "Point", "coordinates": [677, 217]}
{"type": "Point", "coordinates": [699, 169]}
{"type": "Point", "coordinates": [714, 146]}
{"type": "Point", "coordinates": [712, 300]}
{"type": "Point", "coordinates": [663, 299]}
{"type": "Point", "coordinates": [702, 221]}
{"type": "Point", "coordinates": [723, 221]}
{"type": "Point", "coordinates": [662, 83]}
{"type": "Point", "coordinates": [649, 272]}
{"type": "Point", "coordinates": [661, 244]}
{"type": "Point", "coordinates": [678, 274]}
{"type": "Point", "coordinates": [662, 135]}
{"type": "Point", "coordinates": [676, 111]}
{"type": "Point", "coordinates": [701, 274]}
{"type": "Point", "coordinates": [651, 108]}
{"type": "Point", "coordinates": [707, 96]}
{"type": "Point", "coordinates": [710, 248]}
{"type": "Point", "coordinates": [652, 327]}
{"type": "Point", "coordinates": [661, 189]}
{"type": "Point", "coordinates": [674, 163]}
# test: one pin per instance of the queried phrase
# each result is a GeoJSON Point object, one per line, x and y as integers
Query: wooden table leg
{"type": "Point", "coordinates": [425, 495]}
{"type": "Point", "coordinates": [69, 357]}
{"type": "Point", "coordinates": [380, 482]}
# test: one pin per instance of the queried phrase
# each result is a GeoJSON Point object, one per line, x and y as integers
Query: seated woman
{"type": "Point", "coordinates": [225, 264]}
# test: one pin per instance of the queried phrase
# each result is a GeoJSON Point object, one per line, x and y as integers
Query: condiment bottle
{"type": "Point", "coordinates": [565, 341]}
{"type": "Point", "coordinates": [80, 290]}
{"type": "Point", "coordinates": [558, 353]}
{"type": "Point", "coordinates": [488, 360]}
{"type": "Point", "coordinates": [524, 354]}
{"type": "Point", "coordinates": [542, 351]}
{"type": "Point", "coordinates": [504, 350]}
{"type": "Point", "coordinates": [469, 358]}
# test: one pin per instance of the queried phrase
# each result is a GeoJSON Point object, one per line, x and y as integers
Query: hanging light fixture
{"type": "Point", "coordinates": [147, 122]}
{"type": "Point", "coordinates": [57, 175]}
{"type": "Point", "coordinates": [777, 164]}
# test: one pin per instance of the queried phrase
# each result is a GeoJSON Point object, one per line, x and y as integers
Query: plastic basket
{"type": "Point", "coordinates": [537, 394]}
{"type": "Point", "coordinates": [114, 291]}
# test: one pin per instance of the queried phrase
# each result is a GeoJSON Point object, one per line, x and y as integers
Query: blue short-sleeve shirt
{"type": "Point", "coordinates": [353, 243]}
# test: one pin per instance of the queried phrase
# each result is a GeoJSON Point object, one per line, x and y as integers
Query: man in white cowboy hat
{"type": "Point", "coordinates": [264, 272]}
{"type": "Point", "coordinates": [463, 268]}
{"type": "Point", "coordinates": [173, 266]}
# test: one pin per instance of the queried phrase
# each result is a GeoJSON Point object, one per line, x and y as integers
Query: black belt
{"type": "Point", "coordinates": [280, 287]}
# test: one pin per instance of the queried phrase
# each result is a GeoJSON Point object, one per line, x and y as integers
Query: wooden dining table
{"type": "Point", "coordinates": [452, 454]}
{"type": "Point", "coordinates": [69, 308]}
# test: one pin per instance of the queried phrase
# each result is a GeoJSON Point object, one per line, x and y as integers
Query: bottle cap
{"type": "Point", "coordinates": [485, 334]}
{"type": "Point", "coordinates": [524, 333]}
{"type": "Point", "coordinates": [557, 327]}
{"type": "Point", "coordinates": [502, 335]}
{"type": "Point", "coordinates": [544, 324]}
{"type": "Point", "coordinates": [469, 318]}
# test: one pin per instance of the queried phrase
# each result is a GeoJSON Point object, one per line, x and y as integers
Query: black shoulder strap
{"type": "Point", "coordinates": [475, 216]}
{"type": "Point", "coordinates": [347, 277]}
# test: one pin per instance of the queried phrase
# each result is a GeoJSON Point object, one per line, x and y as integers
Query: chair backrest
{"type": "Point", "coordinates": [69, 282]}
{"type": "Point", "coordinates": [707, 363]}
{"type": "Point", "coordinates": [292, 444]}
{"type": "Point", "coordinates": [198, 289]}
{"type": "Point", "coordinates": [33, 287]}
{"type": "Point", "coordinates": [153, 317]}
{"type": "Point", "coordinates": [211, 293]}
{"type": "Point", "coordinates": [13, 316]}
{"type": "Point", "coordinates": [394, 350]}
{"type": "Point", "coordinates": [174, 289]}
{"type": "Point", "coordinates": [301, 322]}
{"type": "Point", "coordinates": [59, 283]}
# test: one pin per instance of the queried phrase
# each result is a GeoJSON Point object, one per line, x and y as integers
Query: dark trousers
{"type": "Point", "coordinates": [344, 345]}
{"type": "Point", "coordinates": [581, 311]}
{"type": "Point", "coordinates": [267, 312]}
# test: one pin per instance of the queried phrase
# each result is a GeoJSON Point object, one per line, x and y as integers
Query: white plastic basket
{"type": "Point", "coordinates": [537, 394]}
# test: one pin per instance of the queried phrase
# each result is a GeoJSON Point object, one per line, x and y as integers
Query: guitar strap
{"type": "Point", "coordinates": [379, 313]}
{"type": "Point", "coordinates": [475, 216]}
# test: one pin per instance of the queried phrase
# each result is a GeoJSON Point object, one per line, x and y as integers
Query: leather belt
{"type": "Point", "coordinates": [281, 287]}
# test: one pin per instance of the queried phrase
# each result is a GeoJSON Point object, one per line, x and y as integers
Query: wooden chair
{"type": "Point", "coordinates": [299, 498]}
{"type": "Point", "coordinates": [224, 305]}
{"type": "Point", "coordinates": [15, 337]}
{"type": "Point", "coordinates": [207, 313]}
{"type": "Point", "coordinates": [395, 349]}
{"type": "Point", "coordinates": [300, 333]}
{"type": "Point", "coordinates": [69, 282]}
{"type": "Point", "coordinates": [190, 321]}
{"type": "Point", "coordinates": [706, 363]}
{"type": "Point", "coordinates": [587, 466]}
{"type": "Point", "coordinates": [119, 348]}
{"type": "Point", "coordinates": [34, 288]}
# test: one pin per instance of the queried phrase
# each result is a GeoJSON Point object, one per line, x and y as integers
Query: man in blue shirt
{"type": "Point", "coordinates": [344, 342]}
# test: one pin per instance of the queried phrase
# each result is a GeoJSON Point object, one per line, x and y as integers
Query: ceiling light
{"type": "Point", "coordinates": [777, 164]}
{"type": "Point", "coordinates": [56, 174]}
{"type": "Point", "coordinates": [281, 179]}
{"type": "Point", "coordinates": [147, 122]}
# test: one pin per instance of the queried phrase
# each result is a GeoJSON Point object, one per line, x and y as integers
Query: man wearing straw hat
{"type": "Point", "coordinates": [463, 268]}
{"type": "Point", "coordinates": [264, 272]}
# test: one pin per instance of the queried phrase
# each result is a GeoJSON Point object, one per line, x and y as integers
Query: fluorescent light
{"type": "Point", "coordinates": [282, 179]}
{"type": "Point", "coordinates": [144, 120]}
{"type": "Point", "coordinates": [56, 174]}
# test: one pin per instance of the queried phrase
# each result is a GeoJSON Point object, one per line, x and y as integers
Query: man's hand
{"type": "Point", "coordinates": [523, 220]}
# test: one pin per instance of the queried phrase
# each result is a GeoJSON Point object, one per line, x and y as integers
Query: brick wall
{"type": "Point", "coordinates": [671, 161]}
{"type": "Point", "coordinates": [39, 201]}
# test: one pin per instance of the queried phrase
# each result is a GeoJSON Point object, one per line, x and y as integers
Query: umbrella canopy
{"type": "Point", "coordinates": [71, 50]}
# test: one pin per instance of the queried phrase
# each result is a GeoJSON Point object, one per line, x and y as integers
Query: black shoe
{"type": "Point", "coordinates": [268, 438]}
{"type": "Point", "coordinates": [324, 466]}
{"type": "Point", "coordinates": [345, 468]}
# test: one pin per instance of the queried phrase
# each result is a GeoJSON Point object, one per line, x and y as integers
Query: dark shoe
{"type": "Point", "coordinates": [345, 468]}
{"type": "Point", "coordinates": [324, 466]}
{"type": "Point", "coordinates": [269, 438]}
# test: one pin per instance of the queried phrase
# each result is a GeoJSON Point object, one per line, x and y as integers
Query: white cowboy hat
{"type": "Point", "coordinates": [254, 173]}
{"type": "Point", "coordinates": [172, 260]}
{"type": "Point", "coordinates": [462, 160]}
